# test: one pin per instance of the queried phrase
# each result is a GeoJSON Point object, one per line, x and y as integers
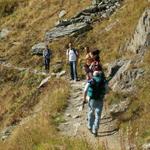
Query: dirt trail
{"type": "Point", "coordinates": [76, 120]}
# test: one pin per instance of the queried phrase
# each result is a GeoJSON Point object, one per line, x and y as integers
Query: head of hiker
{"type": "Point", "coordinates": [96, 58]}
{"type": "Point", "coordinates": [70, 45]}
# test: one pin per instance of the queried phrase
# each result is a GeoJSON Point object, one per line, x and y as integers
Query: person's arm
{"type": "Point", "coordinates": [85, 93]}
{"type": "Point", "coordinates": [77, 53]}
{"type": "Point", "coordinates": [67, 54]}
{"type": "Point", "coordinates": [43, 53]}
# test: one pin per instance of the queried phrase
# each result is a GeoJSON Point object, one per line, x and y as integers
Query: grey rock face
{"type": "Point", "coordinates": [141, 36]}
{"type": "Point", "coordinates": [72, 29]}
{"type": "Point", "coordinates": [38, 49]}
{"type": "Point", "coordinates": [82, 21]}
{"type": "Point", "coordinates": [114, 67]}
{"type": "Point", "coordinates": [123, 76]}
{"type": "Point", "coordinates": [119, 108]}
{"type": "Point", "coordinates": [4, 33]}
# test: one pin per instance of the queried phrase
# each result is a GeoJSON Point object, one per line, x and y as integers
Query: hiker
{"type": "Point", "coordinates": [47, 56]}
{"type": "Point", "coordinates": [72, 56]}
{"type": "Point", "coordinates": [88, 62]}
{"type": "Point", "coordinates": [96, 65]}
{"type": "Point", "coordinates": [95, 90]}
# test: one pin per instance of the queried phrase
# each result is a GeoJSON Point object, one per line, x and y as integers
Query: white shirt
{"type": "Point", "coordinates": [71, 54]}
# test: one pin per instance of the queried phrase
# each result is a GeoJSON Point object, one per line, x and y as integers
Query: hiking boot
{"type": "Point", "coordinates": [90, 130]}
{"type": "Point", "coordinates": [95, 134]}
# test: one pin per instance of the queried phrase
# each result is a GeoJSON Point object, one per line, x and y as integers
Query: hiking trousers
{"type": "Point", "coordinates": [47, 64]}
{"type": "Point", "coordinates": [73, 70]}
{"type": "Point", "coordinates": [94, 114]}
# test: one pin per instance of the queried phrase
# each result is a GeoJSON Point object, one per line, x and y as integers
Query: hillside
{"type": "Point", "coordinates": [29, 115]}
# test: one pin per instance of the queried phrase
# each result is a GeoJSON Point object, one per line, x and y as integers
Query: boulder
{"type": "Point", "coordinates": [119, 108]}
{"type": "Point", "coordinates": [4, 33]}
{"type": "Point", "coordinates": [122, 76]}
{"type": "Point", "coordinates": [60, 74]}
{"type": "Point", "coordinates": [43, 82]}
{"type": "Point", "coordinates": [72, 29]}
{"type": "Point", "coordinates": [37, 49]}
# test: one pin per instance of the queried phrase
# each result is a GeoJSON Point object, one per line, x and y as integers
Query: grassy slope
{"type": "Point", "coordinates": [28, 24]}
{"type": "Point", "coordinates": [19, 95]}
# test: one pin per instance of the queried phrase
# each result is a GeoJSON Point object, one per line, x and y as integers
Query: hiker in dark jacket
{"type": "Point", "coordinates": [47, 56]}
{"type": "Point", "coordinates": [95, 90]}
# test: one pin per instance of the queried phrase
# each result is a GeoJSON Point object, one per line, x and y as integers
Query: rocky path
{"type": "Point", "coordinates": [76, 119]}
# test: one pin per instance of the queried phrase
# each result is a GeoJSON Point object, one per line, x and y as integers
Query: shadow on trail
{"type": "Point", "coordinates": [105, 122]}
{"type": "Point", "coordinates": [107, 133]}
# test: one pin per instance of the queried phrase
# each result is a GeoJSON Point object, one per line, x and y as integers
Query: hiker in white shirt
{"type": "Point", "coordinates": [72, 56]}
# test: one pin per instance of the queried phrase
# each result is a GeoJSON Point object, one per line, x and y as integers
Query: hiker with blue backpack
{"type": "Point", "coordinates": [72, 56]}
{"type": "Point", "coordinates": [95, 90]}
{"type": "Point", "coordinates": [47, 56]}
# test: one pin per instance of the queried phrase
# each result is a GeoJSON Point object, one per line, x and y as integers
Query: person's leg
{"type": "Point", "coordinates": [98, 110]}
{"type": "Point", "coordinates": [71, 70]}
{"type": "Point", "coordinates": [45, 63]}
{"type": "Point", "coordinates": [74, 70]}
{"type": "Point", "coordinates": [91, 116]}
{"type": "Point", "coordinates": [48, 64]}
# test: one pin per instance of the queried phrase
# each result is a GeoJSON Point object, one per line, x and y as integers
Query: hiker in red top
{"type": "Point", "coordinates": [96, 64]}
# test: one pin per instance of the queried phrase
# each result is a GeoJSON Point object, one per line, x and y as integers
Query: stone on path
{"type": "Point", "coordinates": [43, 82]}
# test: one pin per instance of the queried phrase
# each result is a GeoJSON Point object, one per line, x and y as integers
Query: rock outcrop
{"type": "Point", "coordinates": [82, 21]}
{"type": "Point", "coordinates": [141, 38]}
{"type": "Point", "coordinates": [116, 109]}
{"type": "Point", "coordinates": [121, 71]}
{"type": "Point", "coordinates": [123, 76]}
{"type": "Point", "coordinates": [71, 29]}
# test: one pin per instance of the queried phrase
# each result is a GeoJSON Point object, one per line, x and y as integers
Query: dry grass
{"type": "Point", "coordinates": [28, 25]}
{"type": "Point", "coordinates": [41, 133]}
{"type": "Point", "coordinates": [18, 95]}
